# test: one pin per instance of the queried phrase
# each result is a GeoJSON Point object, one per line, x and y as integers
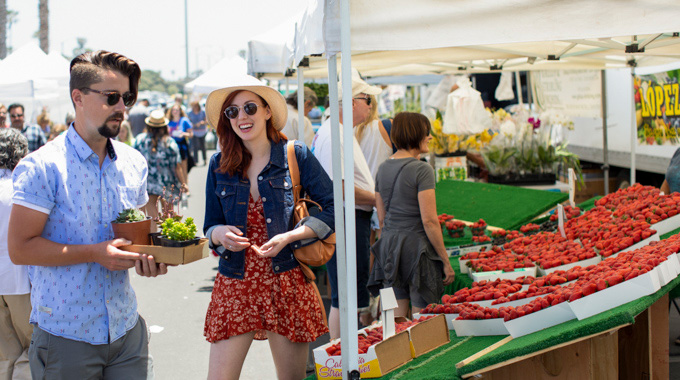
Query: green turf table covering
{"type": "Point", "coordinates": [501, 206]}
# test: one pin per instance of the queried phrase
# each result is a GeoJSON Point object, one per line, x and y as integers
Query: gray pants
{"type": "Point", "coordinates": [53, 357]}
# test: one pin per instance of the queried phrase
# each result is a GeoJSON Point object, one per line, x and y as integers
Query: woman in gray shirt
{"type": "Point", "coordinates": [410, 255]}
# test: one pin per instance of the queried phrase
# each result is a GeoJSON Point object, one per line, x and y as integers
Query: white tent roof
{"type": "Point", "coordinates": [217, 76]}
{"type": "Point", "coordinates": [475, 35]}
{"type": "Point", "coordinates": [269, 52]}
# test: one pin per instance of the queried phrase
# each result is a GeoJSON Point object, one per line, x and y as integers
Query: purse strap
{"type": "Point", "coordinates": [294, 171]}
{"type": "Point", "coordinates": [396, 177]}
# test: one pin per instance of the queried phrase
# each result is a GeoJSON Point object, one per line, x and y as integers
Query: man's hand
{"type": "Point", "coordinates": [147, 267]}
{"type": "Point", "coordinates": [449, 274]}
{"type": "Point", "coordinates": [110, 257]}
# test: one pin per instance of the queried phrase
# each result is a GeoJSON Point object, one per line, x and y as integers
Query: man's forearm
{"type": "Point", "coordinates": [364, 197]}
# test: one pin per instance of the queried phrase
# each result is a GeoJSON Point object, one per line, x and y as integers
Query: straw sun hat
{"type": "Point", "coordinates": [274, 99]}
{"type": "Point", "coordinates": [156, 119]}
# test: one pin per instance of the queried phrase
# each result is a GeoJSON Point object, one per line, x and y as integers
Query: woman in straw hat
{"type": "Point", "coordinates": [162, 155]}
{"type": "Point", "coordinates": [260, 291]}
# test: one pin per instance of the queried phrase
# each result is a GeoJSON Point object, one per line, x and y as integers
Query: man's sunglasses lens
{"type": "Point", "coordinates": [113, 98]}
{"type": "Point", "coordinates": [232, 111]}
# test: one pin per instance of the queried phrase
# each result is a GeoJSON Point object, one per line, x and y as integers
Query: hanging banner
{"type": "Point", "coordinates": [575, 93]}
{"type": "Point", "coordinates": [657, 111]}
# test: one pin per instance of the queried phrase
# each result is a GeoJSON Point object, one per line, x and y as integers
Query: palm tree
{"type": "Point", "coordinates": [44, 35]}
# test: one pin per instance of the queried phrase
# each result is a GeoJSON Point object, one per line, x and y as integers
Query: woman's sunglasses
{"type": "Point", "coordinates": [249, 108]}
{"type": "Point", "coordinates": [113, 97]}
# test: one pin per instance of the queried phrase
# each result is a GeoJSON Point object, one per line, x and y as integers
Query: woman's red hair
{"type": "Point", "coordinates": [235, 157]}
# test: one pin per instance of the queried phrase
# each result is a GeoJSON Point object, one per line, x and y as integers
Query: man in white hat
{"type": "Point", "coordinates": [364, 196]}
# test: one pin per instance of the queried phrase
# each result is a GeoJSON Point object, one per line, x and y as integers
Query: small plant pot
{"type": "Point", "coordinates": [155, 238]}
{"type": "Point", "coordinates": [165, 242]}
{"type": "Point", "coordinates": [136, 232]}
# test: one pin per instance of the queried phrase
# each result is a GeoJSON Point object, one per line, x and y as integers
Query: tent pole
{"type": "Point", "coordinates": [530, 98]}
{"type": "Point", "coordinates": [350, 363]}
{"type": "Point", "coordinates": [340, 247]}
{"type": "Point", "coordinates": [605, 142]}
{"type": "Point", "coordinates": [287, 86]}
{"type": "Point", "coordinates": [518, 86]}
{"type": "Point", "coordinates": [301, 103]}
{"type": "Point", "coordinates": [633, 133]}
{"type": "Point", "coordinates": [422, 98]}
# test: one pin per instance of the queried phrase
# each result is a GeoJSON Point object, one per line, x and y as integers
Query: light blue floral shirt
{"type": "Point", "coordinates": [84, 302]}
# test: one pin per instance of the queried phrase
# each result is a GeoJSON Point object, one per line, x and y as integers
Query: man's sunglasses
{"type": "Point", "coordinates": [112, 97]}
{"type": "Point", "coordinates": [367, 99]}
{"type": "Point", "coordinates": [249, 108]}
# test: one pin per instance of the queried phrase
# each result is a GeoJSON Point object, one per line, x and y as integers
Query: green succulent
{"type": "Point", "coordinates": [178, 231]}
{"type": "Point", "coordinates": [130, 215]}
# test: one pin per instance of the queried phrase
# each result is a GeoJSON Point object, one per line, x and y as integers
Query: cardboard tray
{"type": "Point", "coordinates": [172, 255]}
{"type": "Point", "coordinates": [447, 317]}
{"type": "Point", "coordinates": [616, 295]}
{"type": "Point", "coordinates": [542, 319]}
{"type": "Point", "coordinates": [380, 359]}
{"type": "Point", "coordinates": [479, 327]}
{"type": "Point", "coordinates": [565, 267]}
{"type": "Point", "coordinates": [428, 335]}
{"type": "Point", "coordinates": [492, 275]}
{"type": "Point", "coordinates": [667, 225]}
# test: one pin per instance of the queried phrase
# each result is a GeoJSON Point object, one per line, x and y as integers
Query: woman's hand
{"type": "Point", "coordinates": [230, 238]}
{"type": "Point", "coordinates": [449, 274]}
{"type": "Point", "coordinates": [274, 245]}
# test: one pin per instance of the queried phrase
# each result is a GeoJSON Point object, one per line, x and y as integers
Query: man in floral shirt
{"type": "Point", "coordinates": [84, 311]}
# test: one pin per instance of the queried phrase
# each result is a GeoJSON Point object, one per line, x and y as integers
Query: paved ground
{"type": "Point", "coordinates": [174, 307]}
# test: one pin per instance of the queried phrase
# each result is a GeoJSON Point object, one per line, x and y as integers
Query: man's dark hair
{"type": "Point", "coordinates": [15, 105]}
{"type": "Point", "coordinates": [86, 69]}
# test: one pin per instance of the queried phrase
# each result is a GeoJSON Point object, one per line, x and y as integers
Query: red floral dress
{"type": "Point", "coordinates": [284, 303]}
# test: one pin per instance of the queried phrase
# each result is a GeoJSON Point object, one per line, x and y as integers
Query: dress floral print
{"type": "Point", "coordinates": [162, 162]}
{"type": "Point", "coordinates": [263, 301]}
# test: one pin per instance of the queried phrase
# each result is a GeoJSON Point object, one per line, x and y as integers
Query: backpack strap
{"type": "Point", "coordinates": [387, 124]}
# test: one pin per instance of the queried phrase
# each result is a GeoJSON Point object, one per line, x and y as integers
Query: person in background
{"type": "Point", "coordinates": [15, 288]}
{"type": "Point", "coordinates": [3, 116]}
{"type": "Point", "coordinates": [410, 255]}
{"type": "Point", "coordinates": [671, 184]}
{"type": "Point", "coordinates": [364, 199]}
{"type": "Point", "coordinates": [136, 116]}
{"type": "Point", "coordinates": [199, 128]}
{"type": "Point", "coordinates": [33, 133]}
{"type": "Point", "coordinates": [260, 291]}
{"type": "Point", "coordinates": [179, 127]}
{"type": "Point", "coordinates": [292, 130]}
{"type": "Point", "coordinates": [70, 118]}
{"type": "Point", "coordinates": [125, 133]}
{"type": "Point", "coordinates": [376, 145]}
{"type": "Point", "coordinates": [84, 310]}
{"type": "Point", "coordinates": [44, 121]}
{"type": "Point", "coordinates": [56, 131]}
{"type": "Point", "coordinates": [162, 156]}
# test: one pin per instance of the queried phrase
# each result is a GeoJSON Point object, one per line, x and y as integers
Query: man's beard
{"type": "Point", "coordinates": [111, 132]}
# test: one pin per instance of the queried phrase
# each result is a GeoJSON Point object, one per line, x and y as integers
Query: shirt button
{"type": "Point", "coordinates": [107, 301]}
{"type": "Point", "coordinates": [223, 192]}
{"type": "Point", "coordinates": [260, 178]}
{"type": "Point", "coordinates": [269, 220]}
{"type": "Point", "coordinates": [106, 225]}
{"type": "Point", "coordinates": [276, 267]}
{"type": "Point", "coordinates": [264, 199]}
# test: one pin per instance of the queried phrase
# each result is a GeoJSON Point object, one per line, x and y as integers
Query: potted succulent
{"type": "Point", "coordinates": [176, 233]}
{"type": "Point", "coordinates": [133, 225]}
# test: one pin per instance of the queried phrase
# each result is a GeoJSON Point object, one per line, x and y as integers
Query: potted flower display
{"type": "Point", "coordinates": [133, 225]}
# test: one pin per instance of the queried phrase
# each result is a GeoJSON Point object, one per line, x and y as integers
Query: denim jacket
{"type": "Point", "coordinates": [227, 204]}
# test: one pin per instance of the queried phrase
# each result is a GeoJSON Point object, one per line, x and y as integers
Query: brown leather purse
{"type": "Point", "coordinates": [319, 252]}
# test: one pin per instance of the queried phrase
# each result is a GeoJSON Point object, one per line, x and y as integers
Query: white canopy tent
{"type": "Point", "coordinates": [372, 35]}
{"type": "Point", "coordinates": [34, 79]}
{"type": "Point", "coordinates": [217, 76]}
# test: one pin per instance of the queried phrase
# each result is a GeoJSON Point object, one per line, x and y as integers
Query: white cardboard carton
{"type": "Point", "coordinates": [616, 295]}
{"type": "Point", "coordinates": [542, 319]}
{"type": "Point", "coordinates": [565, 267]}
{"type": "Point", "coordinates": [479, 327]}
{"type": "Point", "coordinates": [667, 225]}
{"type": "Point", "coordinates": [492, 275]}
